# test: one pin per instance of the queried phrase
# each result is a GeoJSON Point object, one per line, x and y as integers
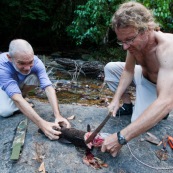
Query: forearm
{"type": "Point", "coordinates": [149, 118]}
{"type": "Point", "coordinates": [157, 110]}
{"type": "Point", "coordinates": [27, 110]}
{"type": "Point", "coordinates": [50, 92]}
{"type": "Point", "coordinates": [47, 127]}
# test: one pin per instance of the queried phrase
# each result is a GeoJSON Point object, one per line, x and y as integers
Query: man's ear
{"type": "Point", "coordinates": [9, 58]}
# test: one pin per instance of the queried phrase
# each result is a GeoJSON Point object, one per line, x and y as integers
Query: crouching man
{"type": "Point", "coordinates": [20, 72]}
{"type": "Point", "coordinates": [149, 65]}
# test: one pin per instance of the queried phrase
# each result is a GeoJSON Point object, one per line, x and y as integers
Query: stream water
{"type": "Point", "coordinates": [85, 90]}
{"type": "Point", "coordinates": [75, 87]}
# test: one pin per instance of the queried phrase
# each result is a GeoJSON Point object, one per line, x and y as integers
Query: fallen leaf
{"type": "Point", "coordinates": [162, 154]}
{"type": "Point", "coordinates": [42, 168]}
{"type": "Point", "coordinates": [85, 160]}
{"type": "Point", "coordinates": [82, 104]}
{"type": "Point", "coordinates": [105, 165]}
{"type": "Point", "coordinates": [142, 140]}
{"type": "Point", "coordinates": [152, 138]}
{"type": "Point", "coordinates": [160, 143]}
{"type": "Point", "coordinates": [71, 117]}
{"type": "Point", "coordinates": [150, 134]}
{"type": "Point", "coordinates": [92, 161]}
{"type": "Point", "coordinates": [38, 158]}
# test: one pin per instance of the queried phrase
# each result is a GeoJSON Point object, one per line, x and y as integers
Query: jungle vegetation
{"type": "Point", "coordinates": [57, 24]}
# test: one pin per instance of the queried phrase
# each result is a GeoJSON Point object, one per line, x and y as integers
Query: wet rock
{"type": "Point", "coordinates": [59, 157]}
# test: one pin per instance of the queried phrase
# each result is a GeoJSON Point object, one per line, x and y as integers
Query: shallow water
{"type": "Point", "coordinates": [85, 91]}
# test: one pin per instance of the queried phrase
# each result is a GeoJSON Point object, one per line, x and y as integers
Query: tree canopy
{"type": "Point", "coordinates": [92, 20]}
{"type": "Point", "coordinates": [52, 23]}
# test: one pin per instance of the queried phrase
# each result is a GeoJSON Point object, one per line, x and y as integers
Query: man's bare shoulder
{"type": "Point", "coordinates": [164, 49]}
{"type": "Point", "coordinates": [164, 41]}
{"type": "Point", "coordinates": [164, 38]}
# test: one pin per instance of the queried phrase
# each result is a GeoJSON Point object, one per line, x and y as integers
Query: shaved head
{"type": "Point", "coordinates": [20, 46]}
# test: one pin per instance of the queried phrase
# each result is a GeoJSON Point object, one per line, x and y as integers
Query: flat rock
{"type": "Point", "coordinates": [66, 158]}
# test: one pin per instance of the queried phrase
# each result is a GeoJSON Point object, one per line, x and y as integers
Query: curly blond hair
{"type": "Point", "coordinates": [133, 14]}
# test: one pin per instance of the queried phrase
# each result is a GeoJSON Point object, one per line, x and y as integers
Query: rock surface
{"type": "Point", "coordinates": [65, 158]}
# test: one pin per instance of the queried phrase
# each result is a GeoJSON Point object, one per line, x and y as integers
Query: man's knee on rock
{"type": "Point", "coordinates": [32, 80]}
{"type": "Point", "coordinates": [6, 112]}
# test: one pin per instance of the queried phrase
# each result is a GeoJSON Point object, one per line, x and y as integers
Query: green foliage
{"type": "Point", "coordinates": [62, 17]}
{"type": "Point", "coordinates": [23, 19]}
{"type": "Point", "coordinates": [38, 21]}
{"type": "Point", "coordinates": [51, 22]}
{"type": "Point", "coordinates": [92, 20]}
{"type": "Point", "coordinates": [163, 11]}
{"type": "Point", "coordinates": [92, 23]}
{"type": "Point", "coordinates": [31, 9]}
{"type": "Point", "coordinates": [107, 54]}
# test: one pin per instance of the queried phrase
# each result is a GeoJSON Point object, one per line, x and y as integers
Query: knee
{"type": "Point", "coordinates": [109, 66]}
{"type": "Point", "coordinates": [32, 79]}
{"type": "Point", "coordinates": [113, 72]}
{"type": "Point", "coordinates": [113, 66]}
{"type": "Point", "coordinates": [6, 112]}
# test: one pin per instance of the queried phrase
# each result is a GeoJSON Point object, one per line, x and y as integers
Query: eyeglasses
{"type": "Point", "coordinates": [128, 42]}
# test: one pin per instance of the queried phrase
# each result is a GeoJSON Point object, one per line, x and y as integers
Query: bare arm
{"type": "Point", "coordinates": [51, 94]}
{"type": "Point", "coordinates": [160, 107]}
{"type": "Point", "coordinates": [125, 81]}
{"type": "Point", "coordinates": [154, 113]}
{"type": "Point", "coordinates": [27, 110]}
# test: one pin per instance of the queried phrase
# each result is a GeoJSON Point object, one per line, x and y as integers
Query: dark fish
{"type": "Point", "coordinates": [74, 136]}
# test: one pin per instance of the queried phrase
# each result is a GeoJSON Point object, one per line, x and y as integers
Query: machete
{"type": "Point", "coordinates": [97, 130]}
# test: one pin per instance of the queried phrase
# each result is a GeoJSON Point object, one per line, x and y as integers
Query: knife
{"type": "Point", "coordinates": [97, 130]}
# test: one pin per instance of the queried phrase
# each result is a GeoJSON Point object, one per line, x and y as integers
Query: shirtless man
{"type": "Point", "coordinates": [153, 76]}
{"type": "Point", "coordinates": [21, 71]}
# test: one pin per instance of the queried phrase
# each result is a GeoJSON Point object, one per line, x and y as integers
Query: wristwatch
{"type": "Point", "coordinates": [121, 139]}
